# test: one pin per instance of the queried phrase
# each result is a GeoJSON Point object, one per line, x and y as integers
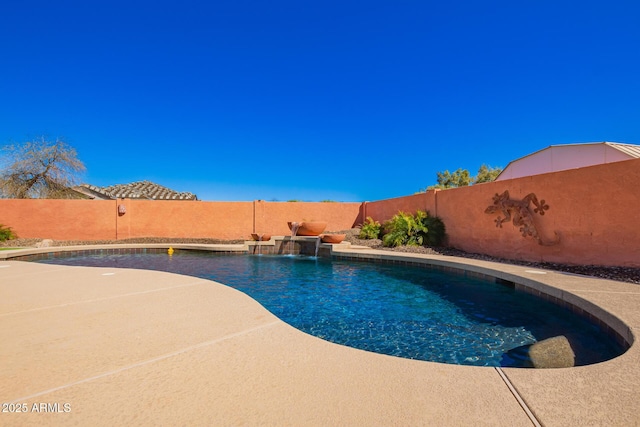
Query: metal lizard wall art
{"type": "Point", "coordinates": [520, 212]}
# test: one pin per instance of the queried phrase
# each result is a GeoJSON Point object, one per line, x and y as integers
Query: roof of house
{"type": "Point", "coordinates": [633, 151]}
{"type": "Point", "coordinates": [135, 190]}
{"type": "Point", "coordinates": [569, 156]}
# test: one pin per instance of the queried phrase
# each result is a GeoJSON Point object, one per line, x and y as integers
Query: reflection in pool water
{"type": "Point", "coordinates": [416, 313]}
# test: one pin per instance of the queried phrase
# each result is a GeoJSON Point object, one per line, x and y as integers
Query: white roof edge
{"type": "Point", "coordinates": [632, 150]}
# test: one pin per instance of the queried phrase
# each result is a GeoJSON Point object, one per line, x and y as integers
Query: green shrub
{"type": "Point", "coordinates": [405, 229]}
{"type": "Point", "coordinates": [414, 230]}
{"type": "Point", "coordinates": [370, 229]}
{"type": "Point", "coordinates": [6, 233]}
{"type": "Point", "coordinates": [436, 231]}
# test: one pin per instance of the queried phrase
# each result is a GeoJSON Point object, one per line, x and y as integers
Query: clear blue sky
{"type": "Point", "coordinates": [342, 100]}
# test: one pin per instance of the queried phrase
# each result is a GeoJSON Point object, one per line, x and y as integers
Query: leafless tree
{"type": "Point", "coordinates": [39, 169]}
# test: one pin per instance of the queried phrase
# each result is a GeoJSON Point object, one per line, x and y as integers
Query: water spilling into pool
{"type": "Point", "coordinates": [415, 313]}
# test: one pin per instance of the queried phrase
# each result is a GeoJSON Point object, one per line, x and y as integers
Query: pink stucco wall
{"type": "Point", "coordinates": [384, 209]}
{"type": "Point", "coordinates": [272, 217]}
{"type": "Point", "coordinates": [60, 219]}
{"type": "Point", "coordinates": [188, 219]}
{"type": "Point", "coordinates": [593, 210]}
{"type": "Point", "coordinates": [99, 219]}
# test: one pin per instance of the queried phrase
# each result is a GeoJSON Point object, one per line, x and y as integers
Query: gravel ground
{"type": "Point", "coordinates": [622, 274]}
{"type": "Point", "coordinates": [32, 243]}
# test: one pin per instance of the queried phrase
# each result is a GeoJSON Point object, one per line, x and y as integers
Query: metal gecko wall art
{"type": "Point", "coordinates": [520, 213]}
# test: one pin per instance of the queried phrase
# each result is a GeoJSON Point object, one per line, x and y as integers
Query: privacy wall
{"type": "Point", "coordinates": [128, 218]}
{"type": "Point", "coordinates": [60, 219]}
{"type": "Point", "coordinates": [590, 216]}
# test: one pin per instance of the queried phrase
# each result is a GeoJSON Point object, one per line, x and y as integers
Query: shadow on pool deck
{"type": "Point", "coordinates": [135, 347]}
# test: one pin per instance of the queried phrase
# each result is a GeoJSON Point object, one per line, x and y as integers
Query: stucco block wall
{"type": "Point", "coordinates": [99, 219]}
{"type": "Point", "coordinates": [272, 217]}
{"type": "Point", "coordinates": [593, 209]}
{"type": "Point", "coordinates": [385, 209]}
{"type": "Point", "coordinates": [60, 219]}
{"type": "Point", "coordinates": [188, 219]}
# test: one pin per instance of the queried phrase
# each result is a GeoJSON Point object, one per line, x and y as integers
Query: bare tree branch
{"type": "Point", "coordinates": [39, 169]}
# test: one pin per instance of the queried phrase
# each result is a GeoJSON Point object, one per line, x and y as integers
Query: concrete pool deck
{"type": "Point", "coordinates": [104, 346]}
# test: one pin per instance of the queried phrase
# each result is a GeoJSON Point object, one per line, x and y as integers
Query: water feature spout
{"type": "Point", "coordinates": [294, 230]}
{"type": "Point", "coordinates": [318, 240]}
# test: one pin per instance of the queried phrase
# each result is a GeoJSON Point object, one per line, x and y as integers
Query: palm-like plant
{"type": "Point", "coordinates": [370, 229]}
{"type": "Point", "coordinates": [436, 230]}
{"type": "Point", "coordinates": [6, 233]}
{"type": "Point", "coordinates": [405, 229]}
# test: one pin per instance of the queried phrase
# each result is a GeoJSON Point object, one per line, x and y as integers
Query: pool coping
{"type": "Point", "coordinates": [604, 393]}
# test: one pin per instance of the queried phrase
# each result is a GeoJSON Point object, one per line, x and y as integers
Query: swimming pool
{"type": "Point", "coordinates": [410, 312]}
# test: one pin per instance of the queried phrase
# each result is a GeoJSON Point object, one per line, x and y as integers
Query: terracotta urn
{"type": "Point", "coordinates": [260, 237]}
{"type": "Point", "coordinates": [333, 238]}
{"type": "Point", "coordinates": [308, 228]}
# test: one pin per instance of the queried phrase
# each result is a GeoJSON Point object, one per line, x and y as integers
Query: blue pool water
{"type": "Point", "coordinates": [416, 313]}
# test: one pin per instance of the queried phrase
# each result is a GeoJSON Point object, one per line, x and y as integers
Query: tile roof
{"type": "Point", "coordinates": [136, 190]}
